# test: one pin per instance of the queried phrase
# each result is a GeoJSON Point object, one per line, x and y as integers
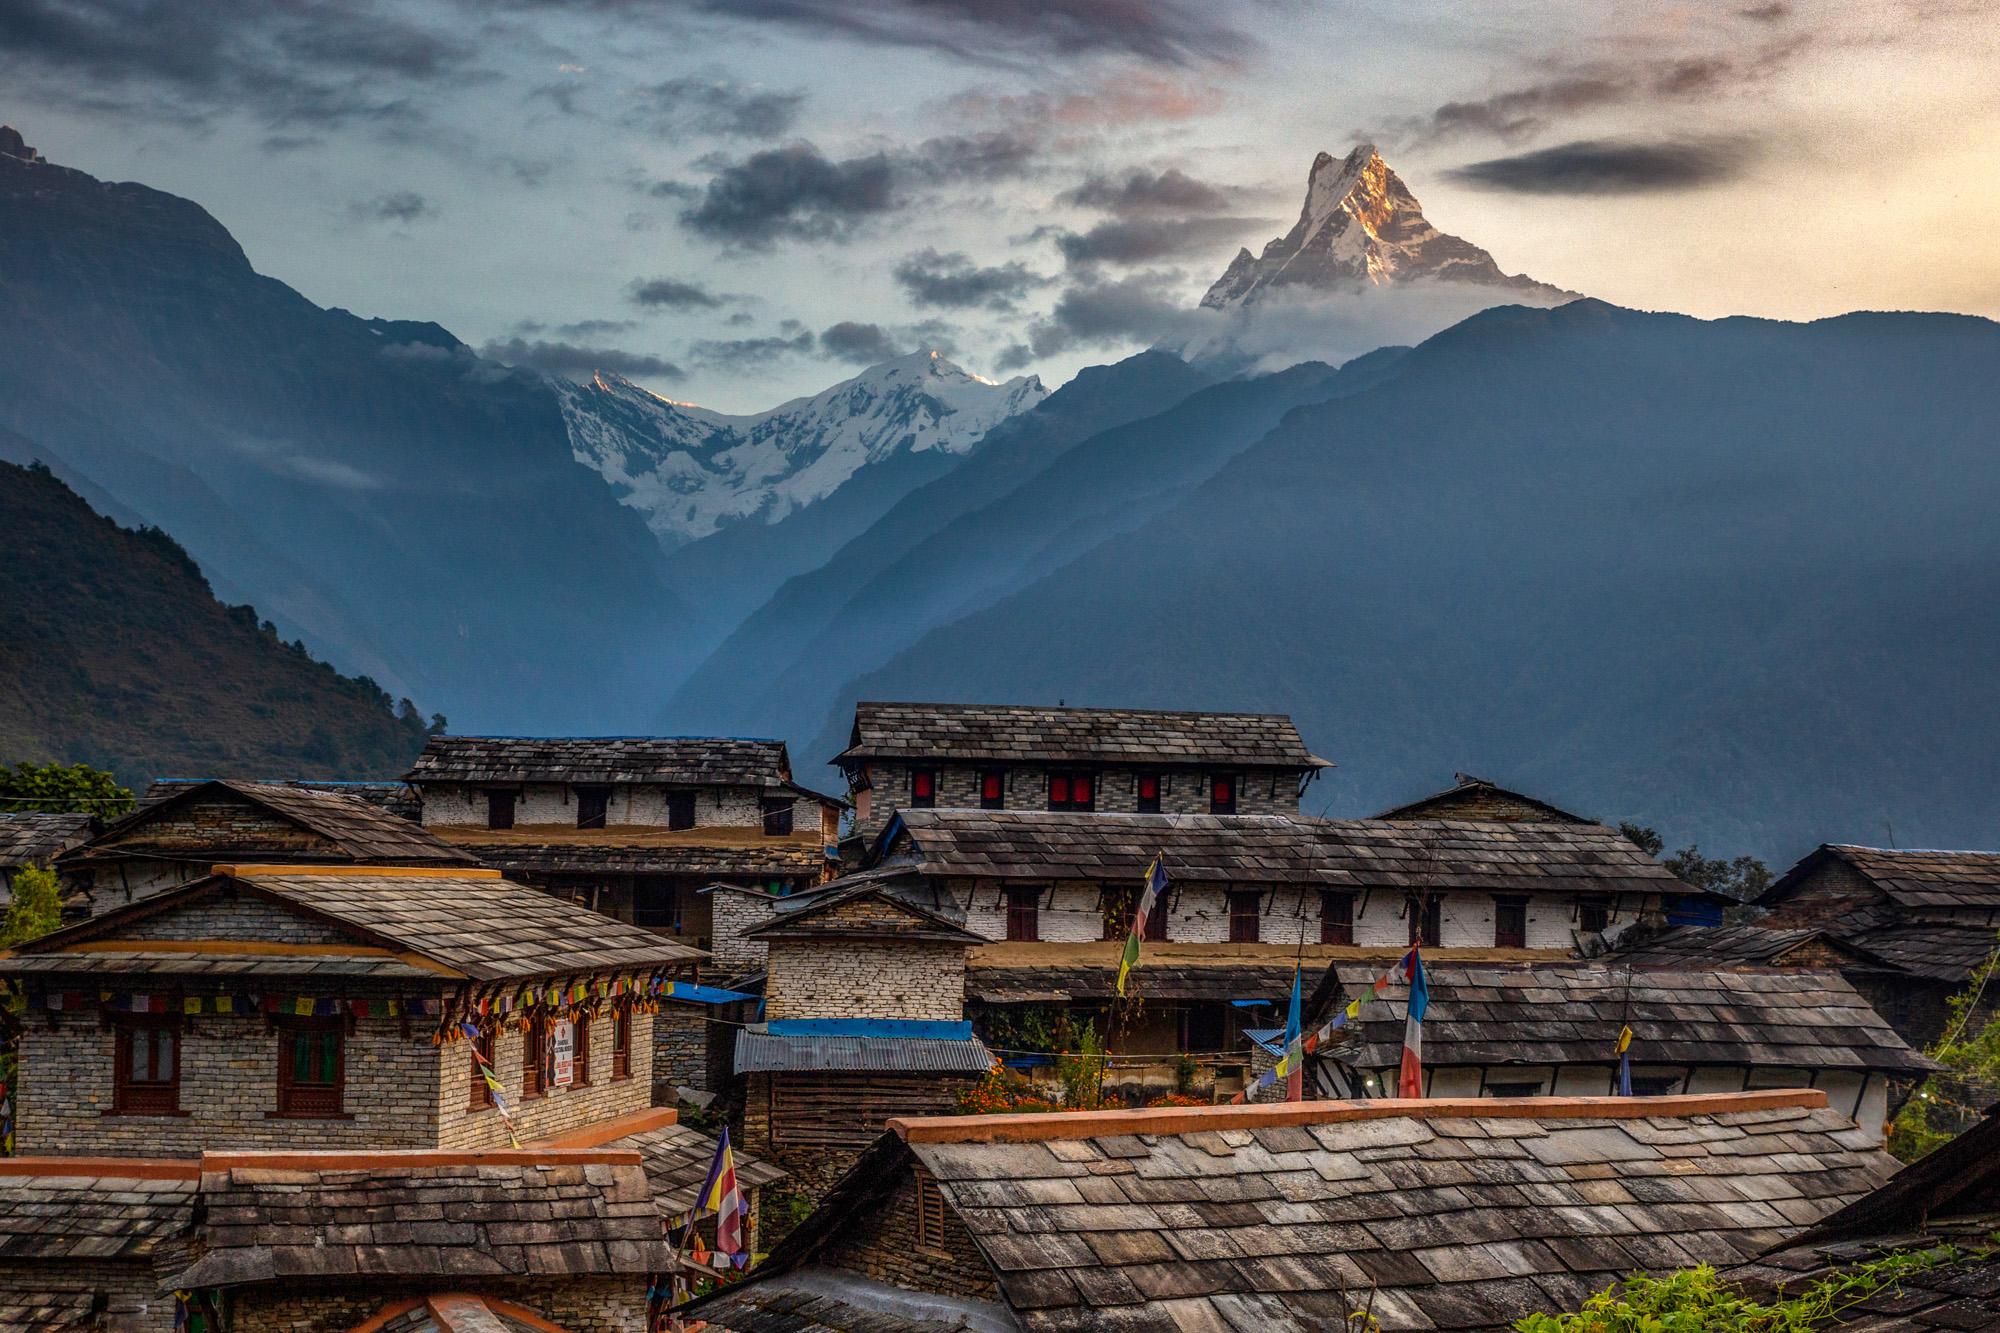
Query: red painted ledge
{"type": "Point", "coordinates": [604, 1131]}
{"type": "Point", "coordinates": [103, 1168]}
{"type": "Point", "coordinates": [1194, 1119]}
{"type": "Point", "coordinates": [415, 1158]}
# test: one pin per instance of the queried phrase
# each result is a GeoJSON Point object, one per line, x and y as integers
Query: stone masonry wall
{"type": "Point", "coordinates": [553, 803]}
{"type": "Point", "coordinates": [557, 1111]}
{"type": "Point", "coordinates": [680, 1050]}
{"type": "Point", "coordinates": [732, 914]}
{"type": "Point", "coordinates": [609, 1303]}
{"type": "Point", "coordinates": [238, 918]}
{"type": "Point", "coordinates": [229, 1091]}
{"type": "Point", "coordinates": [845, 978]}
{"type": "Point", "coordinates": [884, 1247]}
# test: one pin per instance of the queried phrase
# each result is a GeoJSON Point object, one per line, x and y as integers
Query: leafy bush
{"type": "Point", "coordinates": [1697, 1300]}
{"type": "Point", "coordinates": [36, 909]}
{"type": "Point", "coordinates": [1951, 1102]}
{"type": "Point", "coordinates": [62, 789]}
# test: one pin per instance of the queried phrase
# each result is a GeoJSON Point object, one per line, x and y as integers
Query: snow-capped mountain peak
{"type": "Point", "coordinates": [1361, 226]}
{"type": "Point", "coordinates": [691, 470]}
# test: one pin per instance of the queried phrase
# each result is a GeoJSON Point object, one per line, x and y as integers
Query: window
{"type": "Point", "coordinates": [591, 805]}
{"type": "Point", "coordinates": [1149, 794]}
{"type": "Point", "coordinates": [1336, 917]}
{"type": "Point", "coordinates": [482, 1062]}
{"type": "Point", "coordinates": [930, 1211]}
{"type": "Point", "coordinates": [1593, 914]}
{"type": "Point", "coordinates": [310, 1067]}
{"type": "Point", "coordinates": [1243, 916]}
{"type": "Point", "coordinates": [1118, 907]}
{"type": "Point", "coordinates": [535, 1057]}
{"type": "Point", "coordinates": [1023, 914]}
{"type": "Point", "coordinates": [621, 1044]}
{"type": "Point", "coordinates": [147, 1068]}
{"type": "Point", "coordinates": [499, 809]}
{"type": "Point", "coordinates": [992, 791]}
{"type": "Point", "coordinates": [1426, 921]}
{"type": "Point", "coordinates": [656, 903]}
{"type": "Point", "coordinates": [1655, 1087]}
{"type": "Point", "coordinates": [1072, 791]}
{"type": "Point", "coordinates": [1510, 923]}
{"type": "Point", "coordinates": [680, 809]}
{"type": "Point", "coordinates": [923, 788]}
{"type": "Point", "coordinates": [778, 816]}
{"type": "Point", "coordinates": [1513, 1089]}
{"type": "Point", "coordinates": [1222, 794]}
{"type": "Point", "coordinates": [582, 1056]}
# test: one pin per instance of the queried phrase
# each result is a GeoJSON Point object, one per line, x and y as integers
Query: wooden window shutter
{"type": "Point", "coordinates": [930, 1211]}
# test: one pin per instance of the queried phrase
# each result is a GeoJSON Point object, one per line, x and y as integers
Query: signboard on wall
{"type": "Point", "coordinates": [562, 1054]}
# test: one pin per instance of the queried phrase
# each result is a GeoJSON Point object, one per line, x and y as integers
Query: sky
{"type": "Point", "coordinates": [735, 202]}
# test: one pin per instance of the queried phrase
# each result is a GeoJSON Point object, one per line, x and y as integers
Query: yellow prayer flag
{"type": "Point", "coordinates": [303, 1006]}
{"type": "Point", "coordinates": [191, 1004]}
{"type": "Point", "coordinates": [1354, 1009]}
{"type": "Point", "coordinates": [1624, 1040]}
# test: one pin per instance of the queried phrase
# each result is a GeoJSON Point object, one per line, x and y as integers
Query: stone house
{"type": "Point", "coordinates": [36, 839]}
{"type": "Point", "coordinates": [1476, 798]}
{"type": "Point", "coordinates": [1546, 1029]}
{"type": "Point", "coordinates": [1446, 1214]}
{"type": "Point", "coordinates": [259, 1004]}
{"type": "Point", "coordinates": [632, 827]}
{"type": "Point", "coordinates": [78, 1243]}
{"type": "Point", "coordinates": [396, 798]}
{"type": "Point", "coordinates": [1015, 757]}
{"type": "Point", "coordinates": [172, 840]}
{"type": "Point", "coordinates": [1249, 895]}
{"type": "Point", "coordinates": [864, 1020]}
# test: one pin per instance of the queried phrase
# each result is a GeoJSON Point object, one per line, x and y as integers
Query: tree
{"type": "Point", "coordinates": [36, 909]}
{"type": "Point", "coordinates": [75, 789]}
{"type": "Point", "coordinates": [1742, 879]}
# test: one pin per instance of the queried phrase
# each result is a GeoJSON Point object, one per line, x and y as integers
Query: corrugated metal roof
{"type": "Point", "coordinates": [762, 1053]}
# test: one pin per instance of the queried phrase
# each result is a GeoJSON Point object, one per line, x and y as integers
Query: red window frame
{"type": "Point", "coordinates": [992, 791]}
{"type": "Point", "coordinates": [131, 1095]}
{"type": "Point", "coordinates": [1024, 907]}
{"type": "Point", "coordinates": [923, 788]}
{"type": "Point", "coordinates": [1147, 794]}
{"type": "Point", "coordinates": [582, 1057]}
{"type": "Point", "coordinates": [1072, 791]}
{"type": "Point", "coordinates": [482, 1045]}
{"type": "Point", "coordinates": [621, 1044]}
{"type": "Point", "coordinates": [1336, 917]}
{"type": "Point", "coordinates": [1245, 916]}
{"type": "Point", "coordinates": [314, 1097]}
{"type": "Point", "coordinates": [1223, 789]}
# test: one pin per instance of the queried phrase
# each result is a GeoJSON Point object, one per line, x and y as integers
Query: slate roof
{"type": "Point", "coordinates": [765, 1053]}
{"type": "Point", "coordinates": [1491, 856]}
{"type": "Point", "coordinates": [480, 925]}
{"type": "Point", "coordinates": [361, 832]}
{"type": "Point", "coordinates": [676, 1159]}
{"type": "Point", "coordinates": [37, 837]}
{"type": "Point", "coordinates": [775, 858]}
{"type": "Point", "coordinates": [1544, 1014]}
{"type": "Point", "coordinates": [1022, 734]}
{"type": "Point", "coordinates": [867, 910]}
{"type": "Point", "coordinates": [88, 1217]}
{"type": "Point", "coordinates": [1911, 878]}
{"type": "Point", "coordinates": [1466, 1218]}
{"type": "Point", "coordinates": [1470, 793]}
{"type": "Point", "coordinates": [394, 797]}
{"type": "Point", "coordinates": [830, 1300]}
{"type": "Point", "coordinates": [1716, 946]}
{"type": "Point", "coordinates": [687, 760]}
{"type": "Point", "coordinates": [1938, 951]}
{"type": "Point", "coordinates": [464, 1221]}
{"type": "Point", "coordinates": [1869, 940]}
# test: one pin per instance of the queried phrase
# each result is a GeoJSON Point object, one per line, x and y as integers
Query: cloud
{"type": "Point", "coordinates": [404, 206]}
{"type": "Point", "coordinates": [717, 107]}
{"type": "Point", "coordinates": [1139, 308]}
{"type": "Point", "coordinates": [954, 282]}
{"type": "Point", "coordinates": [1770, 13]}
{"type": "Point", "coordinates": [863, 344]}
{"type": "Point", "coordinates": [793, 339]}
{"type": "Point", "coordinates": [791, 192]}
{"type": "Point", "coordinates": [990, 155]}
{"type": "Point", "coordinates": [1169, 32]}
{"type": "Point", "coordinates": [1148, 240]}
{"type": "Point", "coordinates": [1610, 167]}
{"type": "Point", "coordinates": [673, 294]}
{"type": "Point", "coordinates": [578, 362]}
{"type": "Point", "coordinates": [1169, 191]}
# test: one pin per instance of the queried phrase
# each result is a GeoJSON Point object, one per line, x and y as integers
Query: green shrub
{"type": "Point", "coordinates": [1697, 1300]}
{"type": "Point", "coordinates": [36, 909]}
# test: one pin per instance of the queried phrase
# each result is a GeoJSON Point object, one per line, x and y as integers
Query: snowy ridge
{"type": "Point", "coordinates": [1362, 227]}
{"type": "Point", "coordinates": [690, 470]}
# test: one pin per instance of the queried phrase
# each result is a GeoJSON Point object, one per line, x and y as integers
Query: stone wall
{"type": "Point", "coordinates": [462, 1126]}
{"type": "Point", "coordinates": [237, 917]}
{"type": "Point", "coordinates": [612, 1303]}
{"type": "Point", "coordinates": [847, 978]}
{"type": "Point", "coordinates": [883, 1246]}
{"type": "Point", "coordinates": [134, 1302]}
{"type": "Point", "coordinates": [126, 882]}
{"type": "Point", "coordinates": [1831, 891]}
{"type": "Point", "coordinates": [222, 828]}
{"type": "Point", "coordinates": [680, 1050]}
{"type": "Point", "coordinates": [731, 915]}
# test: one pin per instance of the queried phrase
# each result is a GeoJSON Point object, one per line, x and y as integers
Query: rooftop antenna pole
{"type": "Point", "coordinates": [1892, 834]}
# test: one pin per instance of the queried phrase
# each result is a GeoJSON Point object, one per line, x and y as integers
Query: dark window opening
{"type": "Point", "coordinates": [535, 1057]}
{"type": "Point", "coordinates": [1426, 921]}
{"type": "Point", "coordinates": [580, 1055]}
{"type": "Point", "coordinates": [621, 1044]}
{"type": "Point", "coordinates": [592, 803]}
{"type": "Point", "coordinates": [930, 1212]}
{"type": "Point", "coordinates": [482, 1062]}
{"type": "Point", "coordinates": [1593, 914]}
{"type": "Point", "coordinates": [1222, 794]}
{"type": "Point", "coordinates": [992, 791]}
{"type": "Point", "coordinates": [778, 816]}
{"type": "Point", "coordinates": [923, 788]}
{"type": "Point", "coordinates": [1510, 923]}
{"type": "Point", "coordinates": [1072, 791]}
{"type": "Point", "coordinates": [147, 1069]}
{"type": "Point", "coordinates": [656, 904]}
{"type": "Point", "coordinates": [1513, 1089]}
{"type": "Point", "coordinates": [1149, 796]}
{"type": "Point", "coordinates": [1336, 917]}
{"type": "Point", "coordinates": [1656, 1087]}
{"type": "Point", "coordinates": [1244, 917]}
{"type": "Point", "coordinates": [311, 1067]}
{"type": "Point", "coordinates": [1024, 914]}
{"type": "Point", "coordinates": [1202, 1024]}
{"type": "Point", "coordinates": [499, 809]}
{"type": "Point", "coordinates": [680, 809]}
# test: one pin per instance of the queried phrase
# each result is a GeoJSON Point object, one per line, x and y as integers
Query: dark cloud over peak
{"type": "Point", "coordinates": [577, 362]}
{"type": "Point", "coordinates": [954, 282]}
{"type": "Point", "coordinates": [673, 294]}
{"type": "Point", "coordinates": [1138, 308]}
{"type": "Point", "coordinates": [402, 206]}
{"type": "Point", "coordinates": [1145, 240]}
{"type": "Point", "coordinates": [740, 354]}
{"type": "Point", "coordinates": [1610, 167]}
{"type": "Point", "coordinates": [793, 192]}
{"type": "Point", "coordinates": [1169, 191]}
{"type": "Point", "coordinates": [718, 107]}
{"type": "Point", "coordinates": [862, 344]}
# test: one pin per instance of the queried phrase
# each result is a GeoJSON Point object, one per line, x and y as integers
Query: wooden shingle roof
{"type": "Point", "coordinates": [1443, 1215]}
{"type": "Point", "coordinates": [677, 1158]}
{"type": "Point", "coordinates": [644, 850]}
{"type": "Point", "coordinates": [1493, 856]}
{"type": "Point", "coordinates": [692, 760]}
{"type": "Point", "coordinates": [1011, 733]}
{"type": "Point", "coordinates": [1476, 798]}
{"type": "Point", "coordinates": [357, 830]}
{"type": "Point", "coordinates": [394, 797]}
{"type": "Point", "coordinates": [36, 838]}
{"type": "Point", "coordinates": [1909, 878]}
{"type": "Point", "coordinates": [86, 1216]}
{"type": "Point", "coordinates": [1553, 1015]}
